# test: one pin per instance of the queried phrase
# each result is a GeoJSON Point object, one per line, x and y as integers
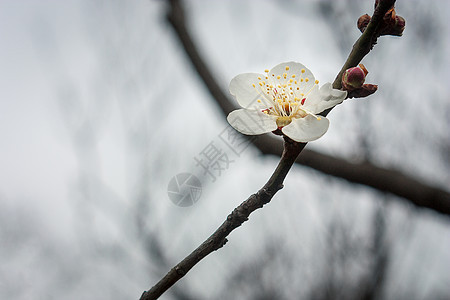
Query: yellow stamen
{"type": "Point", "coordinates": [287, 68]}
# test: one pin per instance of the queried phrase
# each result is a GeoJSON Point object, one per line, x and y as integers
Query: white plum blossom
{"type": "Point", "coordinates": [286, 98]}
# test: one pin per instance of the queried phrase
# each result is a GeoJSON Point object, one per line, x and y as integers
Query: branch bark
{"type": "Point", "coordinates": [238, 216]}
{"type": "Point", "coordinates": [418, 193]}
{"type": "Point", "coordinates": [366, 41]}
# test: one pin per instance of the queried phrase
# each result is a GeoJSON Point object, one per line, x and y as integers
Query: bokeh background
{"type": "Point", "coordinates": [100, 108]}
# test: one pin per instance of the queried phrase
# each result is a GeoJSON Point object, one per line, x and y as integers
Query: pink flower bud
{"type": "Point", "coordinates": [399, 26]}
{"type": "Point", "coordinates": [354, 78]}
{"type": "Point", "coordinates": [392, 24]}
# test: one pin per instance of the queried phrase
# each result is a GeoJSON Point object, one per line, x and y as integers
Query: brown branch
{"type": "Point", "coordinates": [366, 41]}
{"type": "Point", "coordinates": [386, 180]}
{"type": "Point", "coordinates": [239, 215]}
{"type": "Point", "coordinates": [242, 212]}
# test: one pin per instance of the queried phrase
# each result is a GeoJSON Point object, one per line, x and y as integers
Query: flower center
{"type": "Point", "coordinates": [284, 95]}
{"type": "Point", "coordinates": [283, 121]}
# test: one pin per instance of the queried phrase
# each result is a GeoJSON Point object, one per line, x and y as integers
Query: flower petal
{"type": "Point", "coordinates": [241, 87]}
{"type": "Point", "coordinates": [333, 94]}
{"type": "Point", "coordinates": [294, 68]}
{"type": "Point", "coordinates": [327, 97]}
{"type": "Point", "coordinates": [312, 100]}
{"type": "Point", "coordinates": [306, 129]}
{"type": "Point", "coordinates": [251, 121]}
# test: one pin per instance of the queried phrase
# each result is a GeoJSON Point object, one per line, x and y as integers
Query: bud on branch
{"type": "Point", "coordinates": [391, 24]}
{"type": "Point", "coordinates": [353, 82]}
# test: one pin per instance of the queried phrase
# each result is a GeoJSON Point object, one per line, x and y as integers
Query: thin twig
{"type": "Point", "coordinates": [239, 215]}
{"type": "Point", "coordinates": [366, 41]}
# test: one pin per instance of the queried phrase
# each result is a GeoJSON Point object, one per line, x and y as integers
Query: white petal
{"type": "Point", "coordinates": [327, 97]}
{"type": "Point", "coordinates": [306, 129]}
{"type": "Point", "coordinates": [251, 121]}
{"type": "Point", "coordinates": [333, 94]}
{"type": "Point", "coordinates": [312, 99]}
{"type": "Point", "coordinates": [294, 68]}
{"type": "Point", "coordinates": [241, 87]}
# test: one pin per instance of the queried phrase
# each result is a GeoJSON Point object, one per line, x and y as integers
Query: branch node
{"type": "Point", "coordinates": [225, 240]}
{"type": "Point", "coordinates": [265, 192]}
{"type": "Point", "coordinates": [180, 271]}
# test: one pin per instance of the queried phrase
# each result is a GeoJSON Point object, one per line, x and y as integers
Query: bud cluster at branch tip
{"type": "Point", "coordinates": [392, 24]}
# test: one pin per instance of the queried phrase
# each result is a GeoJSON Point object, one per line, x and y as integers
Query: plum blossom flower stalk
{"type": "Point", "coordinates": [286, 98]}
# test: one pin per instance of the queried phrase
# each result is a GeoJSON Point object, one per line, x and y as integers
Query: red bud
{"type": "Point", "coordinates": [354, 78]}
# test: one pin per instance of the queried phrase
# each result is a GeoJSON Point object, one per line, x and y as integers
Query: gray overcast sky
{"type": "Point", "coordinates": [97, 100]}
